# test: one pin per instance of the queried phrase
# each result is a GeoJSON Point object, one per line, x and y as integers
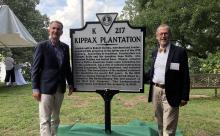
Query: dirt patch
{"type": "Point", "coordinates": [199, 96]}
{"type": "Point", "coordinates": [129, 103]}
{"type": "Point", "coordinates": [202, 133]}
{"type": "Point", "coordinates": [81, 104]}
{"type": "Point", "coordinates": [141, 98]}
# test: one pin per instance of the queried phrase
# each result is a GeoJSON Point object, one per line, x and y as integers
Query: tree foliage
{"type": "Point", "coordinates": [194, 23]}
{"type": "Point", "coordinates": [209, 65]}
{"type": "Point", "coordinates": [34, 22]}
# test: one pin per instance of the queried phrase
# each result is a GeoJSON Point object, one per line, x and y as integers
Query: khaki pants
{"type": "Point", "coordinates": [165, 115]}
{"type": "Point", "coordinates": [49, 111]}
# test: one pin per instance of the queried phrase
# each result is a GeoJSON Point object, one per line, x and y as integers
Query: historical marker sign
{"type": "Point", "coordinates": [108, 55]}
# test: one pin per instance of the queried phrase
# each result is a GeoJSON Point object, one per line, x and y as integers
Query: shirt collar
{"type": "Point", "coordinates": [54, 44]}
{"type": "Point", "coordinates": [166, 49]}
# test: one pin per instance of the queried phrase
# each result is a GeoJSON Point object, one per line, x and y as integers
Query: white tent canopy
{"type": "Point", "coordinates": [12, 31]}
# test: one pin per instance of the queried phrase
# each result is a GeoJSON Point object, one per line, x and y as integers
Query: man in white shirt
{"type": "Point", "coordinates": [169, 81]}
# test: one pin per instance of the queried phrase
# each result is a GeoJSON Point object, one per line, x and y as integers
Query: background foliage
{"type": "Point", "coordinates": [209, 65]}
{"type": "Point", "coordinates": [194, 23]}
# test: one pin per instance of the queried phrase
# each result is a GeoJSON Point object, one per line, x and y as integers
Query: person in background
{"type": "Point", "coordinates": [9, 67]}
{"type": "Point", "coordinates": [19, 79]}
{"type": "Point", "coordinates": [169, 81]}
{"type": "Point", "coordinates": [50, 71]}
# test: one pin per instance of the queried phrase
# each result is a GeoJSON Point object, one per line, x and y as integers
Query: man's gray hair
{"type": "Point", "coordinates": [56, 21]}
{"type": "Point", "coordinates": [164, 25]}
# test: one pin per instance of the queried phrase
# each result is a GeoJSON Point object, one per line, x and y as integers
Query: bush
{"type": "Point", "coordinates": [208, 65]}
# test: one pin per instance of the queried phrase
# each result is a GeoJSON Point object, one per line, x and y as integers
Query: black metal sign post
{"type": "Point", "coordinates": [107, 96]}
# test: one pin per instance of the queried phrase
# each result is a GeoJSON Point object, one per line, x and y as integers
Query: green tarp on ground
{"type": "Point", "coordinates": [133, 128]}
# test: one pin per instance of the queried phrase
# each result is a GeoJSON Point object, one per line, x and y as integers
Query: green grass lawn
{"type": "Point", "coordinates": [19, 111]}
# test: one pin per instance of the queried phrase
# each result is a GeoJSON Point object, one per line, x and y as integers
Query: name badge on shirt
{"type": "Point", "coordinates": [174, 66]}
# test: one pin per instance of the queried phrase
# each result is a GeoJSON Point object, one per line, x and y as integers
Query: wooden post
{"type": "Point", "coordinates": [216, 92]}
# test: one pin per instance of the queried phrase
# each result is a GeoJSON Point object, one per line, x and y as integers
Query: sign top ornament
{"type": "Point", "coordinates": [106, 20]}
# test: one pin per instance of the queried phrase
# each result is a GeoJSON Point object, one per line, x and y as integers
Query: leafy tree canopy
{"type": "Point", "coordinates": [194, 23]}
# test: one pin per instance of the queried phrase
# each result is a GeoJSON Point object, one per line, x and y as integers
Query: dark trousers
{"type": "Point", "coordinates": [10, 74]}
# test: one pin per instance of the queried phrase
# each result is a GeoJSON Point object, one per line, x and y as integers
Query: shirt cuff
{"type": "Point", "coordinates": [35, 90]}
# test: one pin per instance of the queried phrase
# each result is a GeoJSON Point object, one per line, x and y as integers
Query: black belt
{"type": "Point", "coordinates": [159, 85]}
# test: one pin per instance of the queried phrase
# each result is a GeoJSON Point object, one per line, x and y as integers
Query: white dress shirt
{"type": "Point", "coordinates": [160, 66]}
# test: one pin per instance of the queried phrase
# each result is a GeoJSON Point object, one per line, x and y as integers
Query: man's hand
{"type": "Point", "coordinates": [36, 95]}
{"type": "Point", "coordinates": [71, 90]}
{"type": "Point", "coordinates": [183, 103]}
